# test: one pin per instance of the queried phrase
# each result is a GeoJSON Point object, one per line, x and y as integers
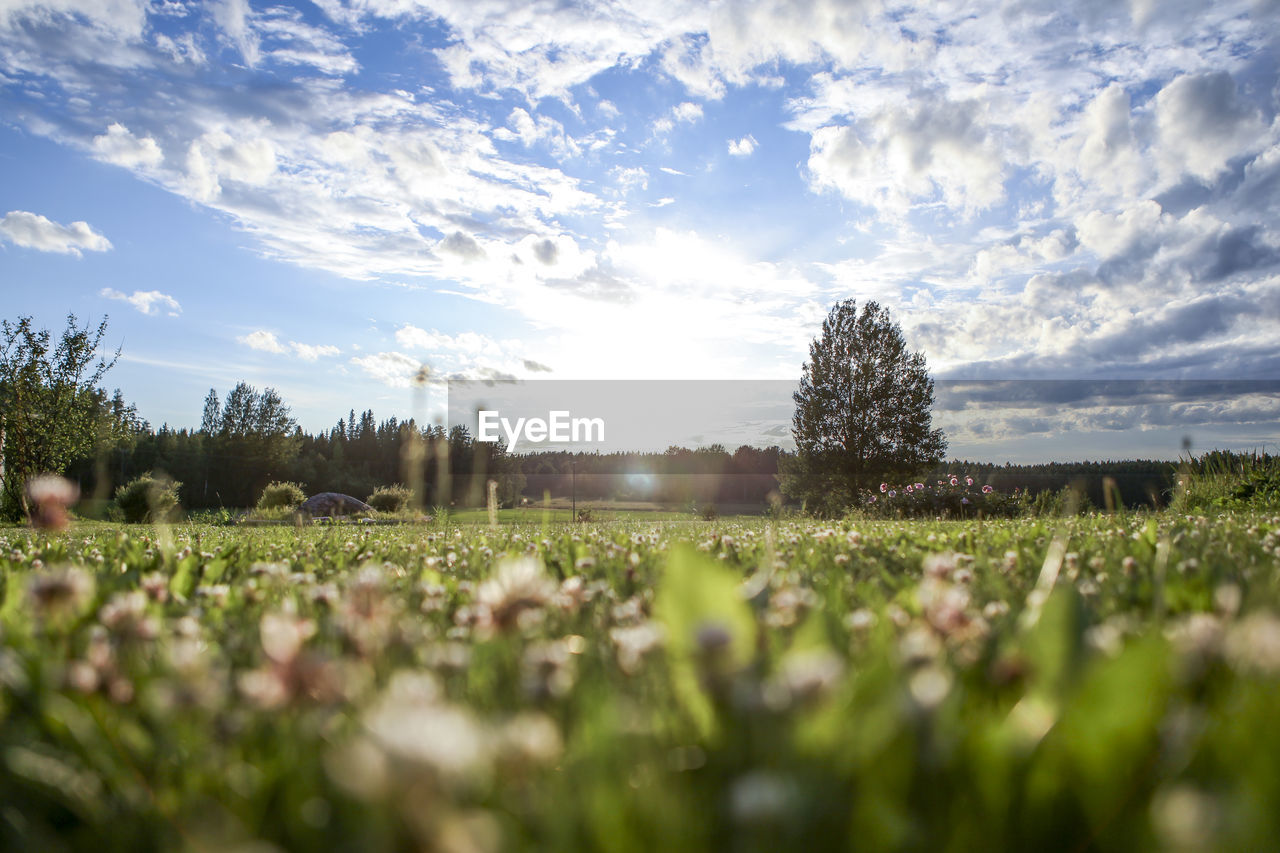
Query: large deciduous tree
{"type": "Point", "coordinates": [862, 410]}
{"type": "Point", "coordinates": [51, 408]}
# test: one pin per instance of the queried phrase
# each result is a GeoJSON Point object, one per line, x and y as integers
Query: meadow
{"type": "Point", "coordinates": [1098, 682]}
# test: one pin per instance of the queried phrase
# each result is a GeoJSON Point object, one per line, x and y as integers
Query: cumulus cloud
{"type": "Point", "coordinates": [150, 302]}
{"type": "Point", "coordinates": [1203, 122]}
{"type": "Point", "coordinates": [927, 149]}
{"type": "Point", "coordinates": [122, 148]}
{"type": "Point", "coordinates": [262, 340]}
{"type": "Point", "coordinates": [33, 231]}
{"type": "Point", "coordinates": [743, 147]}
{"type": "Point", "coordinates": [267, 341]}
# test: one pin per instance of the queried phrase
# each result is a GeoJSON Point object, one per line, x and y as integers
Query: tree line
{"type": "Point", "coordinates": [854, 424]}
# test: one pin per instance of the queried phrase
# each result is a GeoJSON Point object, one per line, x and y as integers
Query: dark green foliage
{"type": "Point", "coordinates": [148, 498]}
{"type": "Point", "coordinates": [52, 411]}
{"type": "Point", "coordinates": [391, 498]}
{"type": "Point", "coordinates": [862, 411]}
{"type": "Point", "coordinates": [281, 495]}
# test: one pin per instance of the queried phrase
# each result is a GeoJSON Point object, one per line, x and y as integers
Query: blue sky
{"type": "Point", "coordinates": [324, 196]}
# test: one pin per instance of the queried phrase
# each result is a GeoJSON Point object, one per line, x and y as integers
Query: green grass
{"type": "Point", "coordinates": [1093, 683]}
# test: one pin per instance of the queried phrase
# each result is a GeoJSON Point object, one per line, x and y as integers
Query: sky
{"type": "Point", "coordinates": [324, 197]}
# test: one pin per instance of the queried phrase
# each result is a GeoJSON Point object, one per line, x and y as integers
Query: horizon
{"type": "Point", "coordinates": [325, 198]}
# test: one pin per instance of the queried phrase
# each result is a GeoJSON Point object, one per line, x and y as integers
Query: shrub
{"type": "Point", "coordinates": [391, 498]}
{"type": "Point", "coordinates": [149, 497]}
{"type": "Point", "coordinates": [708, 512]}
{"type": "Point", "coordinates": [281, 494]}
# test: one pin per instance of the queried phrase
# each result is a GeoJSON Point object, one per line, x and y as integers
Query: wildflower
{"type": "Point", "coordinates": [155, 586]}
{"type": "Point", "coordinates": [530, 738]}
{"type": "Point", "coordinates": [955, 481]}
{"type": "Point", "coordinates": [929, 686]}
{"type": "Point", "coordinates": [366, 613]}
{"type": "Point", "coordinates": [60, 593]}
{"type": "Point", "coordinates": [940, 565]}
{"type": "Point", "coordinates": [547, 670]}
{"type": "Point", "coordinates": [51, 495]}
{"type": "Point", "coordinates": [807, 676]}
{"type": "Point", "coordinates": [1253, 644]}
{"type": "Point", "coordinates": [518, 586]}
{"type": "Point", "coordinates": [125, 615]}
{"type": "Point", "coordinates": [968, 481]}
{"type": "Point", "coordinates": [986, 490]}
{"type": "Point", "coordinates": [893, 493]}
{"type": "Point", "coordinates": [919, 486]}
{"type": "Point", "coordinates": [634, 642]}
{"type": "Point", "coordinates": [417, 729]}
{"type": "Point", "coordinates": [884, 487]}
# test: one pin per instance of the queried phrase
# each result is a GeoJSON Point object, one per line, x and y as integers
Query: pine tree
{"type": "Point", "coordinates": [862, 410]}
{"type": "Point", "coordinates": [212, 417]}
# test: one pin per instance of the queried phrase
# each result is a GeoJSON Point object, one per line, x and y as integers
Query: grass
{"type": "Point", "coordinates": [1099, 683]}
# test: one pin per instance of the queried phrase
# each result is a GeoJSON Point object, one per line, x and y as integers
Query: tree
{"type": "Point", "coordinates": [212, 416]}
{"type": "Point", "coordinates": [51, 408]}
{"type": "Point", "coordinates": [862, 410]}
{"type": "Point", "coordinates": [254, 442]}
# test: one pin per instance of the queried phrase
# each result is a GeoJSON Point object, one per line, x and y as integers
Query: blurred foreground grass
{"type": "Point", "coordinates": [1097, 683]}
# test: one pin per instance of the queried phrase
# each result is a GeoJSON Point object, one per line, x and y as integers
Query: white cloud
{"type": "Point", "coordinates": [233, 17]}
{"type": "Point", "coordinates": [687, 112]}
{"type": "Point", "coordinates": [121, 148]}
{"type": "Point", "coordinates": [310, 352]}
{"type": "Point", "coordinates": [1203, 122]}
{"type": "Point", "coordinates": [743, 147]}
{"type": "Point", "coordinates": [267, 341]}
{"type": "Point", "coordinates": [262, 340]}
{"type": "Point", "coordinates": [33, 231]}
{"type": "Point", "coordinates": [1109, 152]}
{"type": "Point", "coordinates": [927, 149]}
{"type": "Point", "coordinates": [390, 368]}
{"type": "Point", "coordinates": [150, 302]}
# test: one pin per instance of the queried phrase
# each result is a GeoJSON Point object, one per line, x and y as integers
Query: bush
{"type": "Point", "coordinates": [281, 494]}
{"type": "Point", "coordinates": [391, 498]}
{"type": "Point", "coordinates": [149, 497]}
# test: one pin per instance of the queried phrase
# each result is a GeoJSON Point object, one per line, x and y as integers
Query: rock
{"type": "Point", "coordinates": [332, 504]}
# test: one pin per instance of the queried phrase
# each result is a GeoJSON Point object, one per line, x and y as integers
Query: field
{"type": "Point", "coordinates": [1107, 682]}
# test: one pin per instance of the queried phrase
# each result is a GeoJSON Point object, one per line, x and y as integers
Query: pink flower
{"type": "Point", "coordinates": [919, 486]}
{"type": "Point", "coordinates": [884, 487]}
{"type": "Point", "coordinates": [893, 493]}
{"type": "Point", "coordinates": [954, 481]}
{"type": "Point", "coordinates": [909, 489]}
{"type": "Point", "coordinates": [968, 481]}
{"type": "Point", "coordinates": [873, 499]}
{"type": "Point", "coordinates": [986, 490]}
